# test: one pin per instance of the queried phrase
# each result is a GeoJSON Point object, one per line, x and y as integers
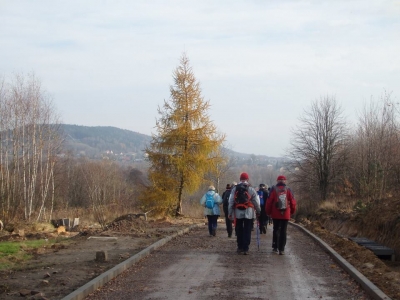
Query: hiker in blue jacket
{"type": "Point", "coordinates": [211, 202]}
{"type": "Point", "coordinates": [263, 195]}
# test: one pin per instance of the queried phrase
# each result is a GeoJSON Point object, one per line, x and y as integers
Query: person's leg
{"type": "Point", "coordinates": [228, 223]}
{"type": "Point", "coordinates": [247, 224]}
{"type": "Point", "coordinates": [275, 234]}
{"type": "Point", "coordinates": [263, 221]}
{"type": "Point", "coordinates": [214, 225]}
{"type": "Point", "coordinates": [209, 219]}
{"type": "Point", "coordinates": [240, 234]}
{"type": "Point", "coordinates": [282, 235]}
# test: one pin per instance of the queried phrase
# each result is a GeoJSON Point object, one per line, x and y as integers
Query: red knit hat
{"type": "Point", "coordinates": [244, 176]}
{"type": "Point", "coordinates": [281, 177]}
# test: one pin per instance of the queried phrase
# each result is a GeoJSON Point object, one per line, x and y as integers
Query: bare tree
{"type": "Point", "coordinates": [375, 158]}
{"type": "Point", "coordinates": [316, 148]}
{"type": "Point", "coordinates": [220, 165]}
{"type": "Point", "coordinates": [29, 144]}
{"type": "Point", "coordinates": [103, 181]}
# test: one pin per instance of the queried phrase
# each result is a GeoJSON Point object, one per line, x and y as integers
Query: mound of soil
{"type": "Point", "coordinates": [384, 274]}
{"type": "Point", "coordinates": [128, 224]}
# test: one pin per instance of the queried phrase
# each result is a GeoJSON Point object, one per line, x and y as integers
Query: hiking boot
{"type": "Point", "coordinates": [275, 250]}
{"type": "Point", "coordinates": [264, 229]}
{"type": "Point", "coordinates": [229, 235]}
{"type": "Point", "coordinates": [281, 252]}
{"type": "Point", "coordinates": [214, 232]}
{"type": "Point", "coordinates": [239, 251]}
{"type": "Point", "coordinates": [245, 252]}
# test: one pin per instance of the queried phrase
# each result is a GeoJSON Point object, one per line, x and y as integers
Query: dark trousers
{"type": "Point", "coordinates": [243, 233]}
{"type": "Point", "coordinates": [212, 223]}
{"type": "Point", "coordinates": [228, 223]}
{"type": "Point", "coordinates": [279, 234]}
{"type": "Point", "coordinates": [263, 217]}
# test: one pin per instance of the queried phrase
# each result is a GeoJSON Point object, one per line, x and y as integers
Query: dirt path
{"type": "Point", "coordinates": [196, 266]}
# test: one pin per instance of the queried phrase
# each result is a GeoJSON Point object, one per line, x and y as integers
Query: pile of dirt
{"type": "Point", "coordinates": [128, 223]}
{"type": "Point", "coordinates": [384, 274]}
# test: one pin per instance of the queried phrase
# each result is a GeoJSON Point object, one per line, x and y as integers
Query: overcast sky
{"type": "Point", "coordinates": [259, 63]}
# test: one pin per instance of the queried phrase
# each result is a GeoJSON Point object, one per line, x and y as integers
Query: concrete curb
{"type": "Point", "coordinates": [367, 285]}
{"type": "Point", "coordinates": [99, 281]}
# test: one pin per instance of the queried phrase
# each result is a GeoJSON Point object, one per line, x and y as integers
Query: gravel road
{"type": "Point", "coordinates": [196, 266]}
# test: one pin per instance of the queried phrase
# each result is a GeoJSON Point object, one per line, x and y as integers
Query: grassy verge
{"type": "Point", "coordinates": [14, 253]}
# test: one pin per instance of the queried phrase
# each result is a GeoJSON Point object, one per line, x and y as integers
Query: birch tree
{"type": "Point", "coordinates": [29, 144]}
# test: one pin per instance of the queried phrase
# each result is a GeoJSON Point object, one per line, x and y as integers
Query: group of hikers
{"type": "Point", "coordinates": [243, 206]}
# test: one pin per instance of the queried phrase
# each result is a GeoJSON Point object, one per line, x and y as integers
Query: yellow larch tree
{"type": "Point", "coordinates": [181, 152]}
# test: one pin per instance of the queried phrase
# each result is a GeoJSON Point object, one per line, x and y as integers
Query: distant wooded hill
{"type": "Point", "coordinates": [125, 145]}
{"type": "Point", "coordinates": [97, 141]}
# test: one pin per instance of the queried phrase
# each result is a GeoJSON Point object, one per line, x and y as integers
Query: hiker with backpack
{"type": "Point", "coordinates": [263, 195]}
{"type": "Point", "coordinates": [281, 204]}
{"type": "Point", "coordinates": [211, 201]}
{"type": "Point", "coordinates": [243, 202]}
{"type": "Point", "coordinates": [234, 183]}
{"type": "Point", "coordinates": [225, 203]}
{"type": "Point", "coordinates": [268, 216]}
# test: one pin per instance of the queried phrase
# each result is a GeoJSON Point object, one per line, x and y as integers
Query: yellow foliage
{"type": "Point", "coordinates": [183, 150]}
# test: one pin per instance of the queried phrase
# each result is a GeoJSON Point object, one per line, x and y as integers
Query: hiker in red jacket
{"type": "Point", "coordinates": [281, 204]}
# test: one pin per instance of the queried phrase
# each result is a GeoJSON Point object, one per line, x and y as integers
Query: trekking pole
{"type": "Point", "coordinates": [258, 234]}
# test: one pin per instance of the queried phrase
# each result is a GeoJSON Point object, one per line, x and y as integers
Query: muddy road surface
{"type": "Point", "coordinates": [197, 266]}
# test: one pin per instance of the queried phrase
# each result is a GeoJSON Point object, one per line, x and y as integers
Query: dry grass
{"type": "Point", "coordinates": [42, 227]}
{"type": "Point", "coordinates": [306, 207]}
{"type": "Point", "coordinates": [377, 220]}
{"type": "Point", "coordinates": [193, 210]}
{"type": "Point", "coordinates": [328, 205]}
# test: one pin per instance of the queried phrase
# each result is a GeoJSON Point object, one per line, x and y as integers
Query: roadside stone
{"type": "Point", "coordinates": [47, 275]}
{"type": "Point", "coordinates": [39, 296]}
{"type": "Point", "coordinates": [124, 255]}
{"type": "Point", "coordinates": [60, 229]}
{"type": "Point", "coordinates": [35, 292]}
{"type": "Point", "coordinates": [44, 282]}
{"type": "Point", "coordinates": [25, 292]}
{"type": "Point", "coordinates": [39, 250]}
{"type": "Point", "coordinates": [101, 256]}
{"type": "Point", "coordinates": [368, 266]}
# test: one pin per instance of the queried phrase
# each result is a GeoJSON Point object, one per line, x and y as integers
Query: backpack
{"type": "Point", "coordinates": [242, 197]}
{"type": "Point", "coordinates": [210, 200]}
{"type": "Point", "coordinates": [226, 195]}
{"type": "Point", "coordinates": [281, 198]}
{"type": "Point", "coordinates": [261, 196]}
